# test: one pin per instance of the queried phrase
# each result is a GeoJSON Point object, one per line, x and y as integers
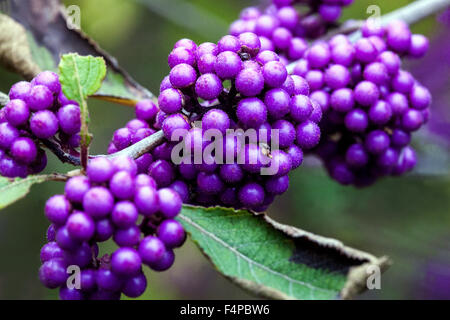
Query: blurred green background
{"type": "Point", "coordinates": [405, 218]}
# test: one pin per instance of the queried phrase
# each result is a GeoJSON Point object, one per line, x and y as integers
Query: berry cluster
{"type": "Point", "coordinates": [36, 110]}
{"type": "Point", "coordinates": [371, 106]}
{"type": "Point", "coordinates": [282, 28]}
{"type": "Point", "coordinates": [220, 87]}
{"type": "Point", "coordinates": [112, 201]}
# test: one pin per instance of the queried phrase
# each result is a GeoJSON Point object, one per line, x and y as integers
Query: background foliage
{"type": "Point", "coordinates": [407, 219]}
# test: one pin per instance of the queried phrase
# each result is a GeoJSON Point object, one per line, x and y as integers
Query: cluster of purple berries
{"type": "Point", "coordinates": [36, 110]}
{"type": "Point", "coordinates": [230, 85]}
{"type": "Point", "coordinates": [112, 201]}
{"type": "Point", "coordinates": [283, 28]}
{"type": "Point", "coordinates": [371, 106]}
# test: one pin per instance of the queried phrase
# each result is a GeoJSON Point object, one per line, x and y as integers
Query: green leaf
{"type": "Point", "coordinates": [274, 260]}
{"type": "Point", "coordinates": [82, 76]}
{"type": "Point", "coordinates": [41, 55]}
{"type": "Point", "coordinates": [14, 190]}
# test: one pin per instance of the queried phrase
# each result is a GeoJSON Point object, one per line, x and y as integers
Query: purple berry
{"type": "Point", "coordinates": [69, 119]}
{"type": "Point", "coordinates": [57, 209]}
{"type": "Point", "coordinates": [126, 261]}
{"type": "Point", "coordinates": [100, 170]}
{"type": "Point", "coordinates": [169, 202]}
{"type": "Point", "coordinates": [208, 86]}
{"type": "Point", "coordinates": [24, 150]}
{"type": "Point", "coordinates": [171, 233]}
{"type": "Point", "coordinates": [44, 124]}
{"type": "Point", "coordinates": [80, 226]}
{"type": "Point", "coordinates": [40, 98]}
{"type": "Point", "coordinates": [98, 202]}
{"type": "Point", "coordinates": [249, 82]}
{"type": "Point", "coordinates": [17, 112]}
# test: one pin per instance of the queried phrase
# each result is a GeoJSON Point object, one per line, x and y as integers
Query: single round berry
{"type": "Point", "coordinates": [380, 113]}
{"type": "Point", "coordinates": [52, 273]}
{"type": "Point", "coordinates": [318, 56]}
{"type": "Point", "coordinates": [277, 102]}
{"type": "Point", "coordinates": [175, 126]}
{"type": "Point", "coordinates": [274, 74]}
{"type": "Point", "coordinates": [300, 108]}
{"type": "Point", "coordinates": [44, 124]}
{"type": "Point", "coordinates": [98, 202]}
{"type": "Point", "coordinates": [121, 185]}
{"type": "Point", "coordinates": [182, 76]}
{"type": "Point", "coordinates": [249, 82]}
{"type": "Point", "coordinates": [251, 195]}
{"type": "Point", "coordinates": [20, 90]}
{"type": "Point", "coordinates": [251, 112]}
{"type": "Point", "coordinates": [24, 150]}
{"type": "Point", "coordinates": [108, 280]}
{"type": "Point", "coordinates": [308, 135]}
{"type": "Point", "coordinates": [229, 43]}
{"type": "Point", "coordinates": [169, 202]}
{"type": "Point", "coordinates": [216, 119]}
{"type": "Point", "coordinates": [48, 79]}
{"type": "Point", "coordinates": [249, 43]}
{"type": "Point", "coordinates": [209, 183]}
{"type": "Point", "coordinates": [146, 110]}
{"type": "Point", "coordinates": [412, 120]}
{"type": "Point", "coordinates": [356, 156]}
{"type": "Point", "coordinates": [163, 173]}
{"type": "Point", "coordinates": [135, 286]}
{"type": "Point", "coordinates": [181, 55]}
{"type": "Point", "coordinates": [277, 185]}
{"type": "Point", "coordinates": [57, 209]}
{"type": "Point", "coordinates": [170, 100]}
{"type": "Point", "coordinates": [17, 112]}
{"type": "Point", "coordinates": [228, 65]}
{"type": "Point", "coordinates": [40, 98]}
{"type": "Point", "coordinates": [366, 93]}
{"type": "Point", "coordinates": [80, 226]}
{"type": "Point", "coordinates": [286, 132]}
{"type": "Point", "coordinates": [377, 141]}
{"type": "Point", "coordinates": [126, 261]}
{"type": "Point", "coordinates": [171, 233]}
{"type": "Point", "coordinates": [151, 250]}
{"type": "Point", "coordinates": [337, 76]}
{"type": "Point", "coordinates": [50, 251]}
{"type": "Point", "coordinates": [356, 120]}
{"type": "Point", "coordinates": [100, 170]}
{"type": "Point", "coordinates": [124, 214]}
{"type": "Point", "coordinates": [69, 119]}
{"type": "Point", "coordinates": [128, 237]}
{"type": "Point", "coordinates": [208, 86]}
{"type": "Point", "coordinates": [146, 200]}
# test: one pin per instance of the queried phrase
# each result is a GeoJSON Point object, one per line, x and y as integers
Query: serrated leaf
{"type": "Point", "coordinates": [81, 76]}
{"type": "Point", "coordinates": [14, 190]}
{"type": "Point", "coordinates": [44, 34]}
{"type": "Point", "coordinates": [274, 260]}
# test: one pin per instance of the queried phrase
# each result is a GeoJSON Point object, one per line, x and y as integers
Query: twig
{"type": "Point", "coordinates": [346, 28]}
{"type": "Point", "coordinates": [64, 177]}
{"type": "Point", "coordinates": [139, 148]}
{"type": "Point", "coordinates": [64, 157]}
{"type": "Point", "coordinates": [411, 14]}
